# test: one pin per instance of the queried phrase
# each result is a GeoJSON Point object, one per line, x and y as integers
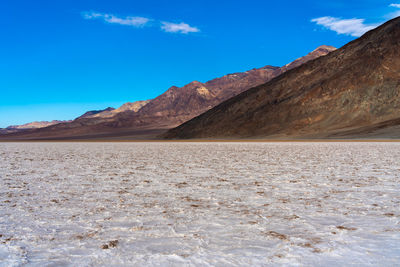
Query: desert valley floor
{"type": "Point", "coordinates": [200, 204]}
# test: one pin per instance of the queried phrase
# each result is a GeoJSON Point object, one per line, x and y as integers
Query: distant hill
{"type": "Point", "coordinates": [31, 125]}
{"type": "Point", "coordinates": [353, 92]}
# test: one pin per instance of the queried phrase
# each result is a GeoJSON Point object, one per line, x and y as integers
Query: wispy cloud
{"type": "Point", "coordinates": [178, 27]}
{"type": "Point", "coordinates": [109, 18]}
{"type": "Point", "coordinates": [354, 27]}
{"type": "Point", "coordinates": [395, 5]}
{"type": "Point", "coordinates": [165, 26]}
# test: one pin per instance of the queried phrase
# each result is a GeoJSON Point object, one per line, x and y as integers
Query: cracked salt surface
{"type": "Point", "coordinates": [199, 204]}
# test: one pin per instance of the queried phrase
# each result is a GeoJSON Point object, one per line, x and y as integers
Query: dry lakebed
{"type": "Point", "coordinates": [200, 204]}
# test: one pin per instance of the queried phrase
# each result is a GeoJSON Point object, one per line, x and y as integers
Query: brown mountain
{"type": "Point", "coordinates": [146, 119]}
{"type": "Point", "coordinates": [353, 92]}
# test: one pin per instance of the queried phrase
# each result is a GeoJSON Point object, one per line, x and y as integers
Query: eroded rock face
{"type": "Point", "coordinates": [349, 92]}
{"type": "Point", "coordinates": [175, 106]}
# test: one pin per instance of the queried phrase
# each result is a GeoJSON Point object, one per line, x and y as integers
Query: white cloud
{"type": "Point", "coordinates": [139, 22]}
{"type": "Point", "coordinates": [395, 5]}
{"type": "Point", "coordinates": [354, 27]}
{"type": "Point", "coordinates": [178, 27]}
{"type": "Point", "coordinates": [130, 21]}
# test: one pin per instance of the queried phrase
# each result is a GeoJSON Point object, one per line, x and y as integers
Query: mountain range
{"type": "Point", "coordinates": [147, 119]}
{"type": "Point", "coordinates": [346, 93]}
{"type": "Point", "coordinates": [353, 92]}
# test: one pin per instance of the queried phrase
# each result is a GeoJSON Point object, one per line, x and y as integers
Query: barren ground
{"type": "Point", "coordinates": [192, 204]}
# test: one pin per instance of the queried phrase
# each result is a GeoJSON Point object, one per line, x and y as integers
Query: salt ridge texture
{"type": "Point", "coordinates": [199, 204]}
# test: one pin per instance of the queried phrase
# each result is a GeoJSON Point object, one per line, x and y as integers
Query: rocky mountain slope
{"type": "Point", "coordinates": [351, 92]}
{"type": "Point", "coordinates": [175, 106]}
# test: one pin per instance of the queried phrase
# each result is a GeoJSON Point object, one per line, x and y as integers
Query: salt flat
{"type": "Point", "coordinates": [199, 204]}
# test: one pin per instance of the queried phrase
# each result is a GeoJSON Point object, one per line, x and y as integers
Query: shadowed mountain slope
{"type": "Point", "coordinates": [352, 92]}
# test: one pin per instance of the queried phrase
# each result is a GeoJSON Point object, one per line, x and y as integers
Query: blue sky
{"type": "Point", "coordinates": [62, 58]}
